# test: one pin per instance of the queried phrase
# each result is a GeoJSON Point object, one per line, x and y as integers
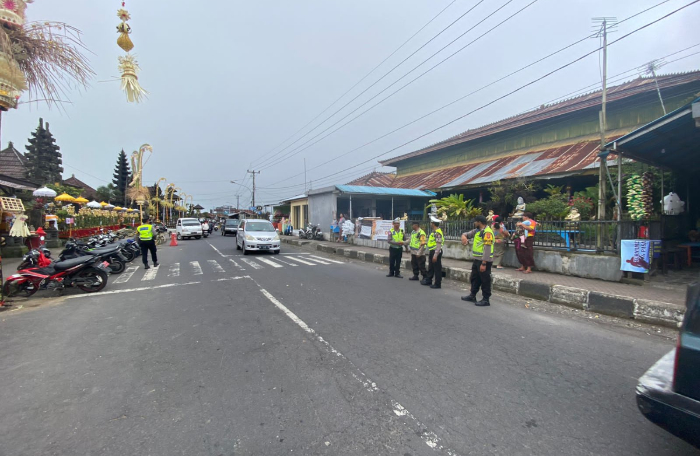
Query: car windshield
{"type": "Point", "coordinates": [259, 226]}
{"type": "Point", "coordinates": [231, 222]}
{"type": "Point", "coordinates": [191, 224]}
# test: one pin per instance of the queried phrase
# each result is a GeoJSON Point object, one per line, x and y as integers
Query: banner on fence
{"type": "Point", "coordinates": [636, 254]}
{"type": "Point", "coordinates": [381, 228]}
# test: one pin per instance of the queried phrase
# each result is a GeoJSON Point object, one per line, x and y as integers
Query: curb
{"type": "Point", "coordinates": [653, 312]}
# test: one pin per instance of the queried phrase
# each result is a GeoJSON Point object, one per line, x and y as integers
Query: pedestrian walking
{"type": "Point", "coordinates": [147, 243]}
{"type": "Point", "coordinates": [396, 240]}
{"type": "Point", "coordinates": [417, 245]}
{"type": "Point", "coordinates": [524, 250]}
{"type": "Point", "coordinates": [482, 250]}
{"type": "Point", "coordinates": [501, 241]}
{"type": "Point", "coordinates": [435, 256]}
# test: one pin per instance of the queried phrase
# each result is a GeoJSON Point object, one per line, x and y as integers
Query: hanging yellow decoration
{"type": "Point", "coordinates": [128, 67]}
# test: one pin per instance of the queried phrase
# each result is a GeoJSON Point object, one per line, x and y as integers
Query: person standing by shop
{"type": "Point", "coordinates": [482, 251]}
{"type": "Point", "coordinates": [147, 243]}
{"type": "Point", "coordinates": [435, 242]}
{"type": "Point", "coordinates": [417, 245]}
{"type": "Point", "coordinates": [501, 241]}
{"type": "Point", "coordinates": [396, 242]}
{"type": "Point", "coordinates": [341, 220]}
{"type": "Point", "coordinates": [525, 253]}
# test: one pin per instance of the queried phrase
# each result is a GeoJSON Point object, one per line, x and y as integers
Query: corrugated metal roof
{"type": "Point", "coordinates": [294, 198]}
{"type": "Point", "coordinates": [388, 191]}
{"type": "Point", "coordinates": [559, 160]}
{"type": "Point", "coordinates": [374, 179]}
{"type": "Point", "coordinates": [615, 93]}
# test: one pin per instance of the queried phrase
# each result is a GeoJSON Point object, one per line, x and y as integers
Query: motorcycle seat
{"type": "Point", "coordinates": [104, 250]}
{"type": "Point", "coordinates": [67, 264]}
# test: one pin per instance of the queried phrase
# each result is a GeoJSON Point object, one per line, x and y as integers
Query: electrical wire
{"type": "Point", "coordinates": [271, 161]}
{"type": "Point", "coordinates": [546, 75]}
{"type": "Point", "coordinates": [367, 75]}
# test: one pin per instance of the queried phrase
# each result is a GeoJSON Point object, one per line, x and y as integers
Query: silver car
{"type": "Point", "coordinates": [257, 235]}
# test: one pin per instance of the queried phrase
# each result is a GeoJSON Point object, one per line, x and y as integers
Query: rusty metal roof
{"type": "Point", "coordinates": [562, 160]}
{"type": "Point", "coordinates": [615, 93]}
{"type": "Point", "coordinates": [375, 179]}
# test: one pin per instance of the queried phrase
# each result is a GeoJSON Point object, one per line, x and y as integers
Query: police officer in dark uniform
{"type": "Point", "coordinates": [147, 243]}
{"type": "Point", "coordinates": [482, 251]}
{"type": "Point", "coordinates": [435, 242]}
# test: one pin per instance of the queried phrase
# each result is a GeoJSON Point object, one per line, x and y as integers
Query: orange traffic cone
{"type": "Point", "coordinates": [173, 240]}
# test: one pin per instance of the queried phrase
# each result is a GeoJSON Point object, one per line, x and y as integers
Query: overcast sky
{"type": "Point", "coordinates": [231, 81]}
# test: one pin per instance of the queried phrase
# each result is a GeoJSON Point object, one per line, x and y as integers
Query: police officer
{"type": "Point", "coordinates": [435, 257]}
{"type": "Point", "coordinates": [417, 245]}
{"type": "Point", "coordinates": [396, 241]}
{"type": "Point", "coordinates": [146, 241]}
{"type": "Point", "coordinates": [482, 250]}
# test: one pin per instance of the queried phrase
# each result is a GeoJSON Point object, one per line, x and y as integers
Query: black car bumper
{"type": "Point", "coordinates": [678, 414]}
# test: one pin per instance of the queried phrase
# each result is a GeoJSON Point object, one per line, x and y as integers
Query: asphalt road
{"type": "Point", "coordinates": [216, 353]}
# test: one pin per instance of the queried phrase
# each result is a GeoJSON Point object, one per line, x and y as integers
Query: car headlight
{"type": "Point", "coordinates": [276, 237]}
{"type": "Point", "coordinates": [248, 237]}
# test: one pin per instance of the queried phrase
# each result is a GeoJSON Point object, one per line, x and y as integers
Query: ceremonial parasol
{"type": "Point", "coordinates": [109, 206]}
{"type": "Point", "coordinates": [44, 192]}
{"type": "Point", "coordinates": [80, 200]}
{"type": "Point", "coordinates": [65, 198]}
{"type": "Point", "coordinates": [94, 205]}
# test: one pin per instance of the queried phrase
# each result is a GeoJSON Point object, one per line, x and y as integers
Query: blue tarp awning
{"type": "Point", "coordinates": [384, 191]}
{"type": "Point", "coordinates": [671, 141]}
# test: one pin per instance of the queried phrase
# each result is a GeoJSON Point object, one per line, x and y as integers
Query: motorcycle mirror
{"type": "Point", "coordinates": [42, 238]}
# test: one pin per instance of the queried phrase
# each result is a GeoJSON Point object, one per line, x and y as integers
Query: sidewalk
{"type": "Point", "coordinates": [647, 304]}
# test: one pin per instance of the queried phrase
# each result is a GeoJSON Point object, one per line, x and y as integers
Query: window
{"type": "Point", "coordinates": [305, 221]}
{"type": "Point", "coordinates": [191, 223]}
{"type": "Point", "coordinates": [259, 225]}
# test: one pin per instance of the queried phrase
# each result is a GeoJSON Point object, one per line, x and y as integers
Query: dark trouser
{"type": "Point", "coordinates": [434, 269]}
{"type": "Point", "coordinates": [395, 255]}
{"type": "Point", "coordinates": [147, 246]}
{"type": "Point", "coordinates": [525, 255]}
{"type": "Point", "coordinates": [481, 280]}
{"type": "Point", "coordinates": [418, 265]}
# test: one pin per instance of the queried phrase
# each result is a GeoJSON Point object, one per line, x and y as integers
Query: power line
{"type": "Point", "coordinates": [517, 89]}
{"type": "Point", "coordinates": [465, 96]}
{"type": "Point", "coordinates": [269, 163]}
{"type": "Point", "coordinates": [367, 75]}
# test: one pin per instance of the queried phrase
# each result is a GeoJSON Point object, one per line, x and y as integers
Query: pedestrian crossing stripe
{"type": "Point", "coordinates": [287, 263]}
{"type": "Point", "coordinates": [270, 262]}
{"type": "Point", "coordinates": [319, 259]}
{"type": "Point", "coordinates": [301, 261]}
{"type": "Point", "coordinates": [236, 264]}
{"type": "Point", "coordinates": [174, 270]}
{"type": "Point", "coordinates": [150, 274]}
{"type": "Point", "coordinates": [251, 263]}
{"type": "Point", "coordinates": [197, 268]}
{"type": "Point", "coordinates": [215, 266]}
{"type": "Point", "coordinates": [126, 275]}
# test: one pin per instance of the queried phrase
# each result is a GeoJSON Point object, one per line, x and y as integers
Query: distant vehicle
{"type": "Point", "coordinates": [257, 235]}
{"type": "Point", "coordinates": [187, 228]}
{"type": "Point", "coordinates": [668, 394]}
{"type": "Point", "coordinates": [230, 227]}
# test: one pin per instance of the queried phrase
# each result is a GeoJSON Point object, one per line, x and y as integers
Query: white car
{"type": "Point", "coordinates": [257, 235]}
{"type": "Point", "coordinates": [188, 227]}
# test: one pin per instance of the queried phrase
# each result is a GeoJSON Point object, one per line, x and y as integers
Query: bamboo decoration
{"type": "Point", "coordinates": [128, 66]}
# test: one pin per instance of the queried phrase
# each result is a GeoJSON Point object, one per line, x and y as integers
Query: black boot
{"type": "Point", "coordinates": [414, 278]}
{"type": "Point", "coordinates": [425, 282]}
{"type": "Point", "coordinates": [145, 266]}
{"type": "Point", "coordinates": [398, 276]}
{"type": "Point", "coordinates": [482, 303]}
{"type": "Point", "coordinates": [390, 275]}
{"type": "Point", "coordinates": [437, 285]}
{"type": "Point", "coordinates": [470, 298]}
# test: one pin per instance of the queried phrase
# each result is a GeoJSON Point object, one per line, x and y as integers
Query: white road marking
{"type": "Point", "coordinates": [231, 278]}
{"type": "Point", "coordinates": [251, 263]}
{"type": "Point", "coordinates": [150, 274]}
{"type": "Point", "coordinates": [197, 268]}
{"type": "Point", "coordinates": [215, 266]}
{"type": "Point", "coordinates": [303, 261]}
{"type": "Point", "coordinates": [174, 270]}
{"type": "Point", "coordinates": [287, 262]}
{"type": "Point", "coordinates": [317, 260]}
{"type": "Point", "coordinates": [237, 265]}
{"type": "Point", "coordinates": [270, 262]}
{"type": "Point", "coordinates": [300, 253]}
{"type": "Point", "coordinates": [326, 259]}
{"type": "Point", "coordinates": [100, 293]}
{"type": "Point", "coordinates": [126, 275]}
{"type": "Point", "coordinates": [217, 250]}
{"type": "Point", "coordinates": [429, 437]}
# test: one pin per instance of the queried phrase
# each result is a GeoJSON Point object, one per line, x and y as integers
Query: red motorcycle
{"type": "Point", "coordinates": [87, 273]}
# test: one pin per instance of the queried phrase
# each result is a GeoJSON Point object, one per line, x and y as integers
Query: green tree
{"type": "Point", "coordinates": [122, 176]}
{"type": "Point", "coordinates": [60, 189]}
{"type": "Point", "coordinates": [456, 207]}
{"type": "Point", "coordinates": [107, 193]}
{"type": "Point", "coordinates": [43, 157]}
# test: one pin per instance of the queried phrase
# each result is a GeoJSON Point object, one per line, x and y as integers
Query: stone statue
{"type": "Point", "coordinates": [489, 218]}
{"type": "Point", "coordinates": [444, 217]}
{"type": "Point", "coordinates": [573, 217]}
{"type": "Point", "coordinates": [520, 208]}
{"type": "Point", "coordinates": [405, 216]}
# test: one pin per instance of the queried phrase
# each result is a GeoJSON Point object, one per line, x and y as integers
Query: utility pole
{"type": "Point", "coordinates": [254, 173]}
{"type": "Point", "coordinates": [304, 175]}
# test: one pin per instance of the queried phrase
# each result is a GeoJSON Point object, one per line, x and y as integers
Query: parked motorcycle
{"type": "Point", "coordinates": [111, 254]}
{"type": "Point", "coordinates": [87, 273]}
{"type": "Point", "coordinates": [311, 232]}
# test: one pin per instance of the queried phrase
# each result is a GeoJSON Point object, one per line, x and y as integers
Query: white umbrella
{"type": "Point", "coordinates": [94, 205]}
{"type": "Point", "coordinates": [44, 192]}
{"type": "Point", "coordinates": [109, 206]}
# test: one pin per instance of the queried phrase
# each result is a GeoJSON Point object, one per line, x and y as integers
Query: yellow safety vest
{"type": "Point", "coordinates": [415, 238]}
{"type": "Point", "coordinates": [482, 238]}
{"type": "Point", "coordinates": [396, 236]}
{"type": "Point", "coordinates": [432, 243]}
{"type": "Point", "coordinates": [145, 232]}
